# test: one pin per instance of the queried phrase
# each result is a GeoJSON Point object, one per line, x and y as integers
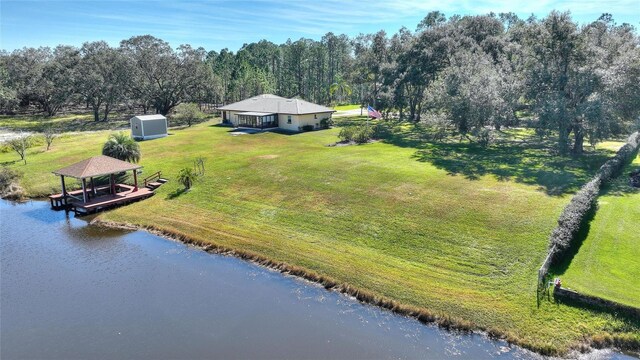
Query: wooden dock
{"type": "Point", "coordinates": [74, 202]}
{"type": "Point", "coordinates": [108, 201]}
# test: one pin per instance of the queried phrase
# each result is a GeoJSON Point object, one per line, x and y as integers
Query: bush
{"type": "Point", "coordinates": [187, 113]}
{"type": "Point", "coordinates": [573, 215]}
{"type": "Point", "coordinates": [9, 188]}
{"type": "Point", "coordinates": [381, 130]}
{"type": "Point", "coordinates": [307, 128]}
{"type": "Point", "coordinates": [346, 133]}
{"type": "Point", "coordinates": [484, 137]}
{"type": "Point", "coordinates": [326, 123]}
{"type": "Point", "coordinates": [187, 177]}
{"type": "Point", "coordinates": [363, 134]}
{"type": "Point", "coordinates": [359, 134]}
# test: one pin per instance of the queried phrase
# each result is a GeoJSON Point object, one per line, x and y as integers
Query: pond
{"type": "Point", "coordinates": [73, 290]}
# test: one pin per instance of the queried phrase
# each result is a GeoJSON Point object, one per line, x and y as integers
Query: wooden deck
{"type": "Point", "coordinates": [124, 195]}
{"type": "Point", "coordinates": [108, 201]}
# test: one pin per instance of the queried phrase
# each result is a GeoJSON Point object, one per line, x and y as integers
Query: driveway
{"type": "Point", "coordinates": [354, 112]}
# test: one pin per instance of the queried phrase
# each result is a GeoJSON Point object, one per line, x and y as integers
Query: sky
{"type": "Point", "coordinates": [218, 24]}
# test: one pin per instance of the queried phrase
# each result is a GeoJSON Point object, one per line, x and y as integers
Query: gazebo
{"type": "Point", "coordinates": [86, 171]}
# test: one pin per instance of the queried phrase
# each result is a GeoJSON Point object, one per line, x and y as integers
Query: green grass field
{"type": "Point", "coordinates": [346, 107]}
{"type": "Point", "coordinates": [607, 264]}
{"type": "Point", "coordinates": [60, 123]}
{"type": "Point", "coordinates": [449, 227]}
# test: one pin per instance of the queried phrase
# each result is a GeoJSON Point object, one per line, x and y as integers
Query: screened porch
{"type": "Point", "coordinates": [260, 120]}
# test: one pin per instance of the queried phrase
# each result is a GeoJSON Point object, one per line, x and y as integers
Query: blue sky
{"type": "Point", "coordinates": [216, 24]}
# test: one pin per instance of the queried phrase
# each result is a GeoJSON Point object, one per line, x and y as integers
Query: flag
{"type": "Point", "coordinates": [373, 112]}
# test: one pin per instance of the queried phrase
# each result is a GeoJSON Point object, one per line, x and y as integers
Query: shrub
{"type": "Point", "coordinates": [326, 123]}
{"type": "Point", "coordinates": [346, 133]}
{"type": "Point", "coordinates": [381, 130]}
{"type": "Point", "coordinates": [363, 134]}
{"type": "Point", "coordinates": [573, 215]}
{"type": "Point", "coordinates": [357, 133]}
{"type": "Point", "coordinates": [188, 113]}
{"type": "Point", "coordinates": [307, 127]}
{"type": "Point", "coordinates": [484, 136]}
{"type": "Point", "coordinates": [123, 147]}
{"type": "Point", "coordinates": [187, 177]}
{"type": "Point", "coordinates": [9, 188]}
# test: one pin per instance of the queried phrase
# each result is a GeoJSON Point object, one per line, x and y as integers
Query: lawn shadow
{"type": "Point", "coordinates": [629, 318]}
{"type": "Point", "coordinates": [561, 267]}
{"type": "Point", "coordinates": [176, 193]}
{"type": "Point", "coordinates": [521, 158]}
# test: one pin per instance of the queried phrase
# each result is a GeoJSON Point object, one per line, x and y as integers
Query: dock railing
{"type": "Point", "coordinates": [152, 177]}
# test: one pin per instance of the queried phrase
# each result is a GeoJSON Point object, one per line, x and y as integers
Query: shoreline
{"type": "Point", "coordinates": [423, 315]}
{"type": "Point", "coordinates": [589, 343]}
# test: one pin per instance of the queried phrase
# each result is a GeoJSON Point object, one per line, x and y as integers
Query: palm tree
{"type": "Point", "coordinates": [122, 146]}
{"type": "Point", "coordinates": [186, 177]}
{"type": "Point", "coordinates": [341, 87]}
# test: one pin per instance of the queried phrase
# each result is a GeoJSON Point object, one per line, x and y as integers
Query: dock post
{"type": "Point", "coordinates": [64, 190]}
{"type": "Point", "coordinates": [84, 190]}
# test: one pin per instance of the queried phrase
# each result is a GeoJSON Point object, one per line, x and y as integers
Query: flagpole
{"type": "Point", "coordinates": [368, 106]}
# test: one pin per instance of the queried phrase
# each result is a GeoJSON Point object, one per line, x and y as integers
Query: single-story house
{"type": "Point", "coordinates": [271, 111]}
{"type": "Point", "coordinates": [145, 127]}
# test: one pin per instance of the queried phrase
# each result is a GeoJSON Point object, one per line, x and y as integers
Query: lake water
{"type": "Point", "coordinates": [71, 290]}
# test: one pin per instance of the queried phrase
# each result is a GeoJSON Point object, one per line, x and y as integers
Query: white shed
{"type": "Point", "coordinates": [145, 127]}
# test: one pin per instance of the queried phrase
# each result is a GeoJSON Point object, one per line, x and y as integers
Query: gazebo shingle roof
{"type": "Point", "coordinates": [96, 166]}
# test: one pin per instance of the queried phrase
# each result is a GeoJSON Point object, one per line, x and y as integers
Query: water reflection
{"type": "Point", "coordinates": [71, 290]}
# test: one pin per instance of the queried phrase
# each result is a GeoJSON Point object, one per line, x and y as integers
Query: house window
{"type": "Point", "coordinates": [315, 116]}
{"type": "Point", "coordinates": [288, 119]}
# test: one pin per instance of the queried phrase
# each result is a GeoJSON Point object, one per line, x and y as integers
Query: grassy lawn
{"type": "Point", "coordinates": [71, 122]}
{"type": "Point", "coordinates": [607, 264]}
{"type": "Point", "coordinates": [346, 107]}
{"type": "Point", "coordinates": [60, 123]}
{"type": "Point", "coordinates": [450, 227]}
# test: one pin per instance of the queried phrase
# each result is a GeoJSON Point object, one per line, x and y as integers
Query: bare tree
{"type": "Point", "coordinates": [20, 145]}
{"type": "Point", "coordinates": [49, 136]}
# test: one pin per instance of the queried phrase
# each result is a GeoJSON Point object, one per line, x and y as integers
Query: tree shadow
{"type": "Point", "coordinates": [514, 156]}
{"type": "Point", "coordinates": [176, 193]}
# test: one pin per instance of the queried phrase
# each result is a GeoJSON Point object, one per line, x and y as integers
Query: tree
{"type": "Point", "coordinates": [123, 147]}
{"type": "Point", "coordinates": [49, 136]}
{"type": "Point", "coordinates": [20, 145]}
{"type": "Point", "coordinates": [44, 76]}
{"type": "Point", "coordinates": [582, 81]}
{"type": "Point", "coordinates": [434, 18]}
{"type": "Point", "coordinates": [58, 79]}
{"type": "Point", "coordinates": [104, 76]}
{"type": "Point", "coordinates": [8, 94]}
{"type": "Point", "coordinates": [371, 55]}
{"type": "Point", "coordinates": [187, 177]}
{"type": "Point", "coordinates": [340, 88]}
{"type": "Point", "coordinates": [476, 93]}
{"type": "Point", "coordinates": [188, 113]}
{"type": "Point", "coordinates": [161, 77]}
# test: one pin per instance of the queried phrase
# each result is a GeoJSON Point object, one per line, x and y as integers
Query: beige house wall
{"type": "Point", "coordinates": [298, 121]}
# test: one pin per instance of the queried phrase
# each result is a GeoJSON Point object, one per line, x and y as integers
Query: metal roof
{"type": "Point", "coordinates": [269, 103]}
{"type": "Point", "coordinates": [149, 117]}
{"type": "Point", "coordinates": [96, 166]}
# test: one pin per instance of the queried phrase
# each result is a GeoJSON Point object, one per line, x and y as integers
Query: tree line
{"type": "Point", "coordinates": [470, 73]}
